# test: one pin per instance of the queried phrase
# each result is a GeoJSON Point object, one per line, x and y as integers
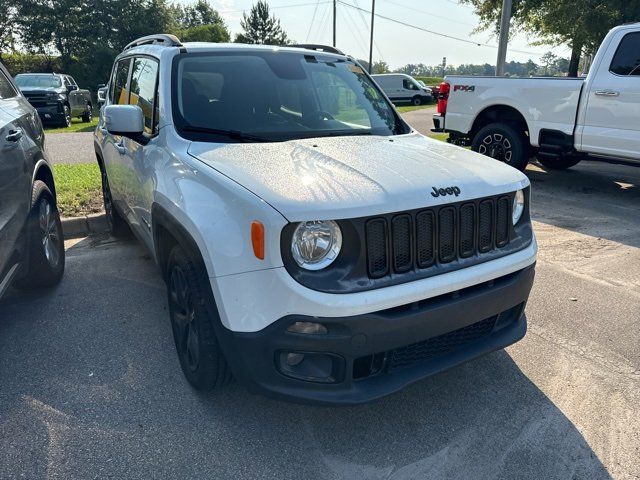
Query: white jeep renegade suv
{"type": "Point", "coordinates": [314, 246]}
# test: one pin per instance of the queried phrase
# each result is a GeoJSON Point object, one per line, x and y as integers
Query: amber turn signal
{"type": "Point", "coordinates": [257, 239]}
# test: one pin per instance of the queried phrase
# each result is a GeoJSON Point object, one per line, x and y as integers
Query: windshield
{"type": "Point", "coordinates": [43, 81]}
{"type": "Point", "coordinates": [275, 96]}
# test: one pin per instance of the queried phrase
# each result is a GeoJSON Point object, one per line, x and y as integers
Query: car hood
{"type": "Point", "coordinates": [40, 90]}
{"type": "Point", "coordinates": [357, 176]}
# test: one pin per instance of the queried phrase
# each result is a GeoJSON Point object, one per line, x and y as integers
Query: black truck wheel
{"type": "Point", "coordinates": [503, 142]}
{"type": "Point", "coordinates": [201, 359]}
{"type": "Point", "coordinates": [65, 121]}
{"type": "Point", "coordinates": [87, 116]}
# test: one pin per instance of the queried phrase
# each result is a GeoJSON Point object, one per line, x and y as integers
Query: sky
{"type": "Point", "coordinates": [310, 21]}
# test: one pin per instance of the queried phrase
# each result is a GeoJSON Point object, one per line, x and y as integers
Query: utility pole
{"type": "Point", "coordinates": [373, 16]}
{"type": "Point", "coordinates": [335, 3]}
{"type": "Point", "coordinates": [505, 21]}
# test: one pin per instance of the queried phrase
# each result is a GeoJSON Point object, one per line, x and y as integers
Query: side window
{"type": "Point", "coordinates": [408, 85]}
{"type": "Point", "coordinates": [119, 87]}
{"type": "Point", "coordinates": [6, 89]}
{"type": "Point", "coordinates": [70, 80]}
{"type": "Point", "coordinates": [144, 76]}
{"type": "Point", "coordinates": [626, 61]}
{"type": "Point", "coordinates": [65, 81]}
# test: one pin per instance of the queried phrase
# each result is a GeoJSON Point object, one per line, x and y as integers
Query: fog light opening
{"type": "Point", "coordinates": [294, 359]}
{"type": "Point", "coordinates": [307, 328]}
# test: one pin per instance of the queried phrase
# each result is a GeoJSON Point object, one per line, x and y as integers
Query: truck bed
{"type": "Point", "coordinates": [545, 102]}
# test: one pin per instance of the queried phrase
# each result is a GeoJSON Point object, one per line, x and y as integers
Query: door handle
{"type": "Point", "coordinates": [104, 131]}
{"type": "Point", "coordinates": [122, 150]}
{"type": "Point", "coordinates": [607, 93]}
{"type": "Point", "coordinates": [14, 135]}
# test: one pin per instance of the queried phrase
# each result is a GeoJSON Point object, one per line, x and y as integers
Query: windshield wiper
{"type": "Point", "coordinates": [235, 134]}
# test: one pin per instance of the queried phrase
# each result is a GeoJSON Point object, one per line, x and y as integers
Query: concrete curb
{"type": "Point", "coordinates": [77, 227]}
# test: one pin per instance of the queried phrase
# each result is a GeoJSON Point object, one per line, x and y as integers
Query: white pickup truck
{"type": "Point", "coordinates": [559, 120]}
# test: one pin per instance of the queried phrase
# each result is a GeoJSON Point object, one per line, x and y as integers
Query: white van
{"type": "Point", "coordinates": [403, 88]}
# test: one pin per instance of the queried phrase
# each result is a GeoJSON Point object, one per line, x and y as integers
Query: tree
{"type": "Point", "coordinates": [261, 27]}
{"type": "Point", "coordinates": [8, 32]}
{"type": "Point", "coordinates": [581, 24]}
{"type": "Point", "coordinates": [381, 67]}
{"type": "Point", "coordinates": [216, 33]}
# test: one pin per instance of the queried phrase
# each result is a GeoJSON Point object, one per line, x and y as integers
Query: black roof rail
{"type": "Point", "coordinates": [319, 48]}
{"type": "Point", "coordinates": [164, 39]}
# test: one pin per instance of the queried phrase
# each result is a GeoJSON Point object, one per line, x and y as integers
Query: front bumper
{"type": "Point", "coordinates": [368, 356]}
{"type": "Point", "coordinates": [438, 123]}
{"type": "Point", "coordinates": [50, 113]}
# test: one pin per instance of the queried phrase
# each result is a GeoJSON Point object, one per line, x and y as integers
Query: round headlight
{"type": "Point", "coordinates": [518, 206]}
{"type": "Point", "coordinates": [315, 245]}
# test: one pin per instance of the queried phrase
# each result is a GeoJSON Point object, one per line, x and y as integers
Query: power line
{"type": "Point", "coordinates": [315, 10]}
{"type": "Point", "coordinates": [451, 37]}
{"type": "Point", "coordinates": [310, 4]}
{"type": "Point", "coordinates": [429, 13]}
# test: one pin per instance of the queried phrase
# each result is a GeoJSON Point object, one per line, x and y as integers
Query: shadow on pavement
{"type": "Point", "coordinates": [91, 388]}
{"type": "Point", "coordinates": [599, 199]}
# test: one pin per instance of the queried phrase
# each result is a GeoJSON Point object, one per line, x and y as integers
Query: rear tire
{"type": "Point", "coordinates": [201, 358]}
{"type": "Point", "coordinates": [504, 143]}
{"type": "Point", "coordinates": [117, 225]}
{"type": "Point", "coordinates": [45, 238]}
{"type": "Point", "coordinates": [561, 163]}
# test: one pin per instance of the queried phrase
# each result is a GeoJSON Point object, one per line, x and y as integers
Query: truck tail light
{"type": "Point", "coordinates": [443, 97]}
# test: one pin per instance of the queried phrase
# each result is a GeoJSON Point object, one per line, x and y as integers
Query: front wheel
{"type": "Point", "coordinates": [45, 250]}
{"type": "Point", "coordinates": [87, 115]}
{"type": "Point", "coordinates": [416, 101]}
{"type": "Point", "coordinates": [65, 122]}
{"type": "Point", "coordinates": [117, 225]}
{"type": "Point", "coordinates": [201, 359]}
{"type": "Point", "coordinates": [504, 143]}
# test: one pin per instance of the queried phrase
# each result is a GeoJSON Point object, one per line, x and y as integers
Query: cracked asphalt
{"type": "Point", "coordinates": [90, 386]}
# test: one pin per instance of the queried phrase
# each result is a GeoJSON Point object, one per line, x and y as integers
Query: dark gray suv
{"type": "Point", "coordinates": [31, 242]}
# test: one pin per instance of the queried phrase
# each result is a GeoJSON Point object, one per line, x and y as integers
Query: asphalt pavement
{"type": "Point", "coordinates": [91, 386]}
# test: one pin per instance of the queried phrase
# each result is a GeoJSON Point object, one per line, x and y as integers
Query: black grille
{"type": "Point", "coordinates": [37, 100]}
{"type": "Point", "coordinates": [443, 344]}
{"type": "Point", "coordinates": [402, 254]}
{"type": "Point", "coordinates": [418, 240]}
{"type": "Point", "coordinates": [377, 261]}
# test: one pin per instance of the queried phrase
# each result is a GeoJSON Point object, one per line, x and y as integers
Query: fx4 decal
{"type": "Point", "coordinates": [464, 88]}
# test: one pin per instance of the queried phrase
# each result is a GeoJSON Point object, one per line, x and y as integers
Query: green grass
{"type": "Point", "coordinates": [78, 189]}
{"type": "Point", "coordinates": [439, 136]}
{"type": "Point", "coordinates": [411, 108]}
{"type": "Point", "coordinates": [430, 80]}
{"type": "Point", "coordinates": [77, 125]}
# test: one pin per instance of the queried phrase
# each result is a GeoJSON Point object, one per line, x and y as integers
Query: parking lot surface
{"type": "Point", "coordinates": [92, 388]}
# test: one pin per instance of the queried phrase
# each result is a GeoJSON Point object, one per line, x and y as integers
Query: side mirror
{"type": "Point", "coordinates": [124, 120]}
{"type": "Point", "coordinates": [72, 88]}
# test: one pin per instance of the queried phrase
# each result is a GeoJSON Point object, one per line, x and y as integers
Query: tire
{"type": "Point", "coordinates": [201, 359]}
{"type": "Point", "coordinates": [559, 163]}
{"type": "Point", "coordinates": [117, 225]}
{"type": "Point", "coordinates": [416, 101]}
{"type": "Point", "coordinates": [87, 116]}
{"type": "Point", "coordinates": [45, 249]}
{"type": "Point", "coordinates": [504, 143]}
{"type": "Point", "coordinates": [65, 122]}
